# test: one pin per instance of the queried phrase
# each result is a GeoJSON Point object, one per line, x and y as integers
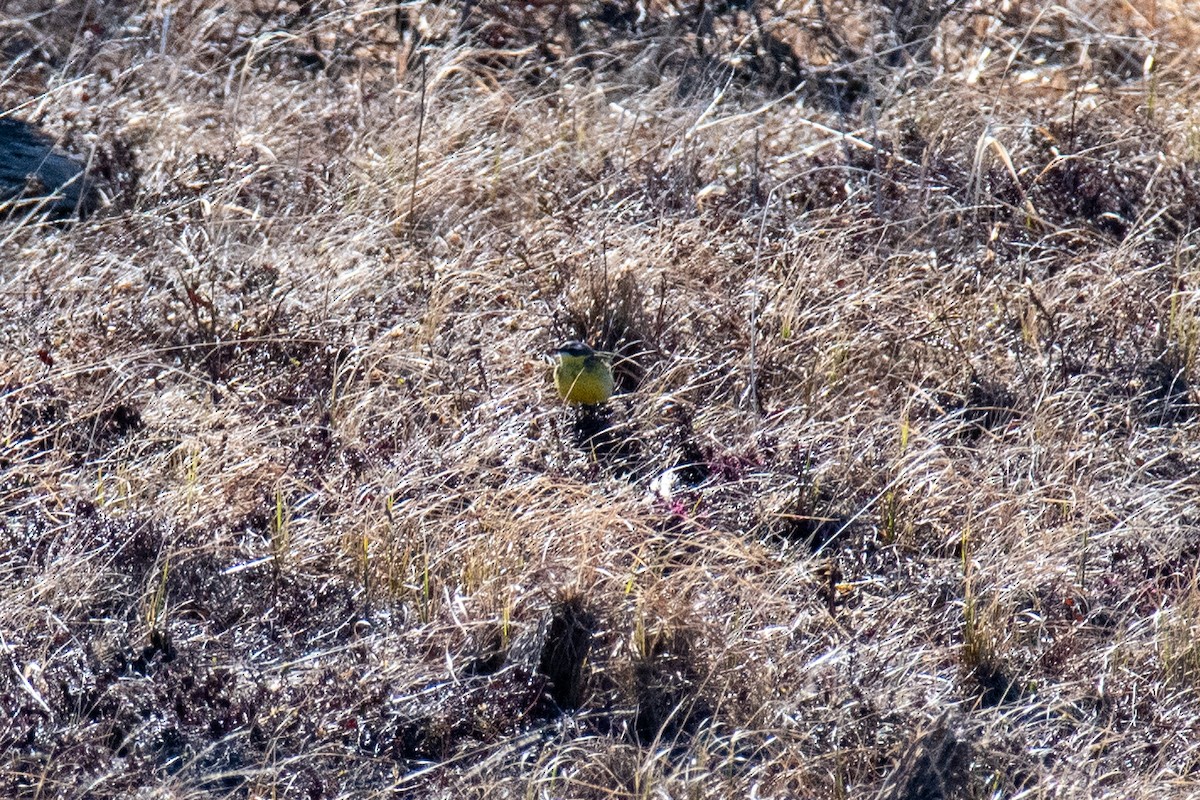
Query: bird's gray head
{"type": "Point", "coordinates": [574, 348]}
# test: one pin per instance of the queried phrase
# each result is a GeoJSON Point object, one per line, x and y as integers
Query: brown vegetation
{"type": "Point", "coordinates": [897, 499]}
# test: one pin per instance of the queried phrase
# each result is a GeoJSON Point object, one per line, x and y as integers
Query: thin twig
{"type": "Point", "coordinates": [412, 197]}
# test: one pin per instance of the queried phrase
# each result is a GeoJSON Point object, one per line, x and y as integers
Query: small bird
{"type": "Point", "coordinates": [582, 376]}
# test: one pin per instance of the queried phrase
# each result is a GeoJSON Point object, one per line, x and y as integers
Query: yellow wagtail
{"type": "Point", "coordinates": [582, 376]}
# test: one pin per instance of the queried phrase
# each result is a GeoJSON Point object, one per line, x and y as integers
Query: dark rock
{"type": "Point", "coordinates": [35, 176]}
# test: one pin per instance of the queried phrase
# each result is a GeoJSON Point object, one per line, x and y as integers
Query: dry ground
{"type": "Point", "coordinates": [899, 500]}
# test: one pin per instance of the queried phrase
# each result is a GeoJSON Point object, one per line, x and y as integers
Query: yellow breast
{"type": "Point", "coordinates": [583, 380]}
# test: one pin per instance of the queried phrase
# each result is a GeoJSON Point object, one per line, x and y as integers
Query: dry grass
{"type": "Point", "coordinates": [899, 499]}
